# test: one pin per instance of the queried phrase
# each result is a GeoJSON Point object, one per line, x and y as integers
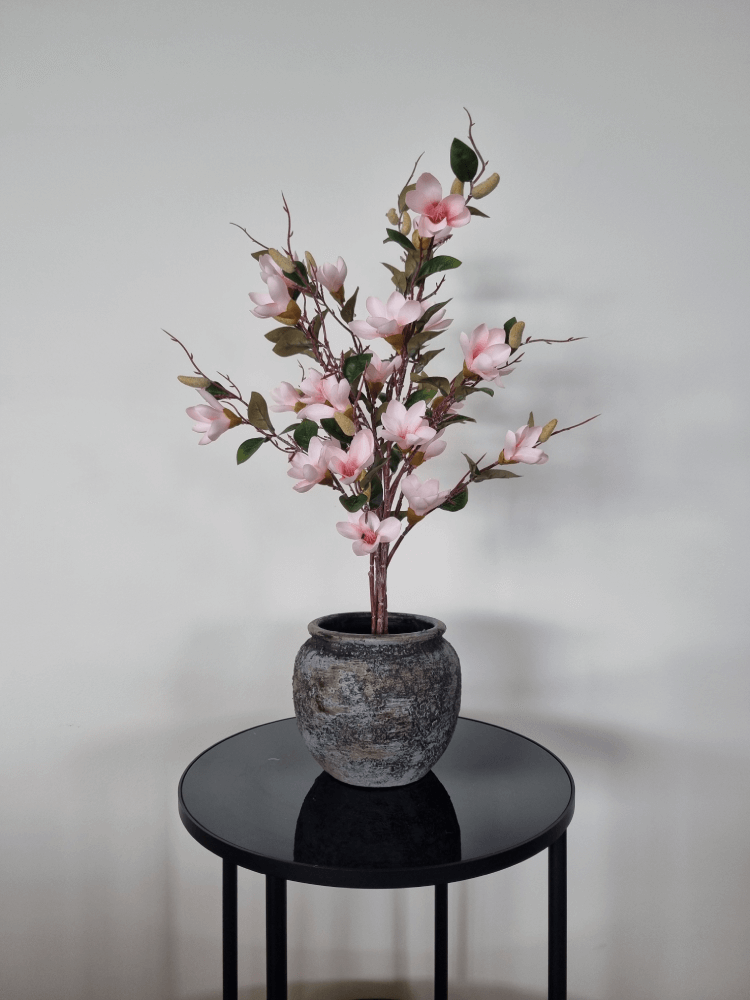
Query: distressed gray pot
{"type": "Point", "coordinates": [377, 710]}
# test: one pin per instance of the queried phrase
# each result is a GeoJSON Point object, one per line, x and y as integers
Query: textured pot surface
{"type": "Point", "coordinates": [377, 710]}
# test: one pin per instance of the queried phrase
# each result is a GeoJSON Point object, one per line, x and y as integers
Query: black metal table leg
{"type": "Point", "coordinates": [229, 929]}
{"type": "Point", "coordinates": [558, 920]}
{"type": "Point", "coordinates": [276, 986]}
{"type": "Point", "coordinates": [441, 942]}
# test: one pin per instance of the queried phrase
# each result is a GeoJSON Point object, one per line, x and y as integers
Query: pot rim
{"type": "Point", "coordinates": [435, 629]}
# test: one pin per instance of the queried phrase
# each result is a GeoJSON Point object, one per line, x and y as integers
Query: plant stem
{"type": "Point", "coordinates": [381, 598]}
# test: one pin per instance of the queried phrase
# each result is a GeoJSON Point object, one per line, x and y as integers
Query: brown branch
{"type": "Point", "coordinates": [263, 245]}
{"type": "Point", "coordinates": [476, 150]}
{"type": "Point", "coordinates": [190, 356]}
{"type": "Point", "coordinates": [289, 230]}
{"type": "Point", "coordinates": [542, 340]}
{"type": "Point", "coordinates": [572, 426]}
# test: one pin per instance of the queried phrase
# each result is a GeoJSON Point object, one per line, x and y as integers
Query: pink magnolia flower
{"type": "Point", "coordinates": [485, 351]}
{"type": "Point", "coordinates": [311, 388]}
{"type": "Point", "coordinates": [332, 276]}
{"type": "Point", "coordinates": [435, 447]}
{"type": "Point", "coordinates": [406, 427]}
{"type": "Point", "coordinates": [387, 319]}
{"type": "Point", "coordinates": [347, 465]}
{"type": "Point", "coordinates": [286, 397]}
{"type": "Point", "coordinates": [521, 446]}
{"type": "Point", "coordinates": [436, 323]}
{"type": "Point", "coordinates": [335, 394]}
{"type": "Point", "coordinates": [369, 531]}
{"type": "Point", "coordinates": [275, 302]}
{"type": "Point", "coordinates": [436, 212]}
{"type": "Point", "coordinates": [310, 467]}
{"type": "Point", "coordinates": [378, 371]}
{"type": "Point", "coordinates": [270, 269]}
{"type": "Point", "coordinates": [211, 421]}
{"type": "Point", "coordinates": [423, 497]}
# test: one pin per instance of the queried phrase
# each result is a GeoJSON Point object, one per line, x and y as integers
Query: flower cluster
{"type": "Point", "coordinates": [364, 422]}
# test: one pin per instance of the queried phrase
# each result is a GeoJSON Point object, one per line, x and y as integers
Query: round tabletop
{"type": "Point", "coordinates": [258, 799]}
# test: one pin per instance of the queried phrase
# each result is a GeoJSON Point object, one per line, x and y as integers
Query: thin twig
{"type": "Point", "coordinates": [192, 359]}
{"type": "Point", "coordinates": [263, 245]}
{"type": "Point", "coordinates": [289, 230]}
{"type": "Point", "coordinates": [476, 150]}
{"type": "Point", "coordinates": [575, 425]}
{"type": "Point", "coordinates": [542, 340]}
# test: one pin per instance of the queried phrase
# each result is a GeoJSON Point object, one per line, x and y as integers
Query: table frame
{"type": "Point", "coordinates": [554, 839]}
{"type": "Point", "coordinates": [276, 936]}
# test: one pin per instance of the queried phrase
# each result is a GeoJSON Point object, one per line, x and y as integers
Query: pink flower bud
{"type": "Point", "coordinates": [310, 467]}
{"type": "Point", "coordinates": [522, 446]}
{"type": "Point", "coordinates": [275, 302]}
{"type": "Point", "coordinates": [211, 421]}
{"type": "Point", "coordinates": [423, 497]}
{"type": "Point", "coordinates": [485, 353]}
{"type": "Point", "coordinates": [332, 276]}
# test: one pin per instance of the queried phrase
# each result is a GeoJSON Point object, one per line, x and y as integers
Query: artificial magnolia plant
{"type": "Point", "coordinates": [364, 424]}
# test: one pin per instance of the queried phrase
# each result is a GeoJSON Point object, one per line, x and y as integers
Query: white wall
{"type": "Point", "coordinates": [155, 594]}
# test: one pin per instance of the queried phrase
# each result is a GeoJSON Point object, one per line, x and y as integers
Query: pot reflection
{"type": "Point", "coordinates": [343, 826]}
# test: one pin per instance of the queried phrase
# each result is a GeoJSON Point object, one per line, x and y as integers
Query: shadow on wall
{"type": "Point", "coordinates": [657, 860]}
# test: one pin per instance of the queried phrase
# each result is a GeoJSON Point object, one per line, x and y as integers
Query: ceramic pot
{"type": "Point", "coordinates": [377, 710]}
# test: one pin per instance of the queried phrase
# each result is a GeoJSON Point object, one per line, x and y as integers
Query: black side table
{"type": "Point", "coordinates": [495, 798]}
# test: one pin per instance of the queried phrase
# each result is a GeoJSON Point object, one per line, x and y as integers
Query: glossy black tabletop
{"type": "Point", "coordinates": [258, 799]}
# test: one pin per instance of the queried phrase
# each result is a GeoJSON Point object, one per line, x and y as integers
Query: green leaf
{"type": "Point", "coordinates": [355, 366]}
{"type": "Point", "coordinates": [464, 162]}
{"type": "Point", "coordinates": [421, 394]}
{"type": "Point", "coordinates": [318, 322]}
{"type": "Point", "coordinates": [429, 313]}
{"type": "Point", "coordinates": [330, 426]}
{"type": "Point", "coordinates": [400, 514]}
{"type": "Point", "coordinates": [288, 341]}
{"type": "Point", "coordinates": [347, 310]}
{"type": "Point", "coordinates": [353, 504]}
{"type": "Point", "coordinates": [411, 263]}
{"type": "Point", "coordinates": [257, 412]}
{"type": "Point", "coordinates": [472, 465]}
{"type": "Point", "coordinates": [438, 381]}
{"type": "Point", "coordinates": [394, 236]}
{"type": "Point", "coordinates": [441, 263]}
{"type": "Point", "coordinates": [396, 458]}
{"type": "Point", "coordinates": [217, 391]}
{"type": "Point", "coordinates": [248, 448]}
{"type": "Point", "coordinates": [258, 254]}
{"type": "Point", "coordinates": [495, 474]}
{"type": "Point", "coordinates": [418, 340]}
{"type": "Point", "coordinates": [402, 197]}
{"type": "Point", "coordinates": [426, 359]}
{"type": "Point", "coordinates": [371, 472]}
{"type": "Point", "coordinates": [300, 274]}
{"type": "Point", "coordinates": [457, 502]}
{"type": "Point", "coordinates": [457, 418]}
{"type": "Point", "coordinates": [304, 432]}
{"type": "Point", "coordinates": [508, 326]}
{"type": "Point", "coordinates": [291, 427]}
{"type": "Point", "coordinates": [398, 279]}
{"type": "Point", "coordinates": [480, 388]}
{"type": "Point", "coordinates": [376, 492]}
{"type": "Point", "coordinates": [475, 211]}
